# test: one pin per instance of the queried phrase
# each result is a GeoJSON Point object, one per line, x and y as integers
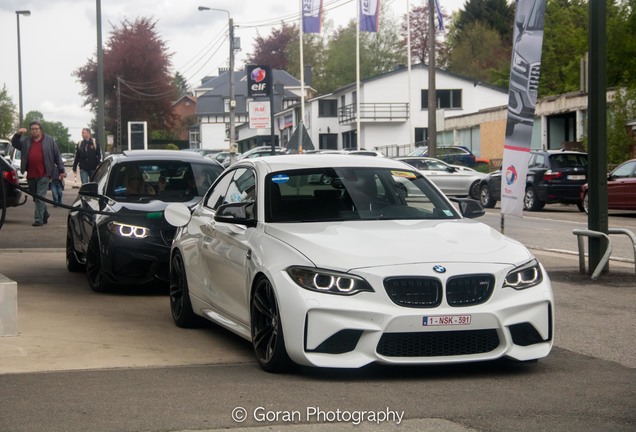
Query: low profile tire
{"type": "Point", "coordinates": [180, 304]}
{"type": "Point", "coordinates": [94, 272]}
{"type": "Point", "coordinates": [586, 203]}
{"type": "Point", "coordinates": [531, 201]}
{"type": "Point", "coordinates": [267, 332]}
{"type": "Point", "coordinates": [485, 197]}
{"type": "Point", "coordinates": [474, 191]}
{"type": "Point", "coordinates": [72, 263]}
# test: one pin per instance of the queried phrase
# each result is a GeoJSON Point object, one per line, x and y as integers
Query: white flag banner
{"type": "Point", "coordinates": [524, 84]}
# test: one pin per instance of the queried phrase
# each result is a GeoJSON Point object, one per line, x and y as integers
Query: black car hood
{"type": "Point", "coordinates": [145, 205]}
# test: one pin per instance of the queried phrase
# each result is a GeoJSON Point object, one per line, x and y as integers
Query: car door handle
{"type": "Point", "coordinates": [248, 254]}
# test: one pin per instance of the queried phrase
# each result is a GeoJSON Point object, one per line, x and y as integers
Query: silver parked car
{"type": "Point", "coordinates": [450, 179]}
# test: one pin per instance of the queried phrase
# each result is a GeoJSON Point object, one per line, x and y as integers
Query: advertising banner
{"type": "Point", "coordinates": [259, 115]}
{"type": "Point", "coordinates": [369, 15]}
{"type": "Point", "coordinates": [312, 16]}
{"type": "Point", "coordinates": [259, 81]}
{"type": "Point", "coordinates": [522, 98]}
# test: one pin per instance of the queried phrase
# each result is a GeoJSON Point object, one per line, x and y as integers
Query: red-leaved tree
{"type": "Point", "coordinates": [137, 79]}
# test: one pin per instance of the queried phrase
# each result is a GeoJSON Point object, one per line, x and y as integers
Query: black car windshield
{"type": "Point", "coordinates": [341, 194]}
{"type": "Point", "coordinates": [171, 181]}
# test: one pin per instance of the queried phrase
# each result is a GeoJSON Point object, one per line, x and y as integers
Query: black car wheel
{"type": "Point", "coordinates": [586, 203]}
{"type": "Point", "coordinates": [531, 201]}
{"type": "Point", "coordinates": [94, 271]}
{"type": "Point", "coordinates": [474, 190]}
{"type": "Point", "coordinates": [72, 263]}
{"type": "Point", "coordinates": [486, 197]}
{"type": "Point", "coordinates": [580, 205]}
{"type": "Point", "coordinates": [180, 304]}
{"type": "Point", "coordinates": [267, 331]}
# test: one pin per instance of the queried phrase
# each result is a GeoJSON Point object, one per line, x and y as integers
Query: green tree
{"type": "Point", "coordinates": [565, 40]}
{"type": "Point", "coordinates": [7, 114]}
{"type": "Point", "coordinates": [181, 86]}
{"type": "Point", "coordinates": [621, 110]}
{"type": "Point", "coordinates": [480, 54]}
{"type": "Point", "coordinates": [57, 130]}
{"type": "Point", "coordinates": [137, 69]}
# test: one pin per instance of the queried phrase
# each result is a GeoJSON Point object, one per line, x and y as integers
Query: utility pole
{"type": "Point", "coordinates": [432, 93]}
{"type": "Point", "coordinates": [101, 138]}
{"type": "Point", "coordinates": [232, 101]}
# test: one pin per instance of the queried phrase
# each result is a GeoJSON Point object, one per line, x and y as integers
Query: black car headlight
{"type": "Point", "coordinates": [130, 231]}
{"type": "Point", "coordinates": [327, 281]}
{"type": "Point", "coordinates": [524, 276]}
{"type": "Point", "coordinates": [519, 64]}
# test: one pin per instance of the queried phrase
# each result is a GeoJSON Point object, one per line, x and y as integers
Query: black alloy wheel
{"type": "Point", "coordinates": [72, 263]}
{"type": "Point", "coordinates": [180, 304]}
{"type": "Point", "coordinates": [94, 272]}
{"type": "Point", "coordinates": [486, 197]}
{"type": "Point", "coordinates": [267, 331]}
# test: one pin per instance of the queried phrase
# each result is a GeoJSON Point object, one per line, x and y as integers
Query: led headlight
{"type": "Point", "coordinates": [328, 281]}
{"type": "Point", "coordinates": [519, 63]}
{"type": "Point", "coordinates": [524, 276]}
{"type": "Point", "coordinates": [126, 230]}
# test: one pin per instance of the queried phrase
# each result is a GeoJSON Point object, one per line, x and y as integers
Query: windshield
{"type": "Point", "coordinates": [170, 181]}
{"type": "Point", "coordinates": [340, 194]}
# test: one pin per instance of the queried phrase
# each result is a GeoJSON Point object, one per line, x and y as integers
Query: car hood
{"type": "Point", "coordinates": [147, 206]}
{"type": "Point", "coordinates": [358, 244]}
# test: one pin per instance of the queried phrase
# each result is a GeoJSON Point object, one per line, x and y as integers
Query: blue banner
{"type": "Point", "coordinates": [312, 16]}
{"type": "Point", "coordinates": [369, 15]}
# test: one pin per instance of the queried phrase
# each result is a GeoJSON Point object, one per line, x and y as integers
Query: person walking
{"type": "Point", "coordinates": [41, 160]}
{"type": "Point", "coordinates": [57, 190]}
{"type": "Point", "coordinates": [87, 155]}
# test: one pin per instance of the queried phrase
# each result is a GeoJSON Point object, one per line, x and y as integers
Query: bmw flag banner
{"type": "Point", "coordinates": [522, 98]}
{"type": "Point", "coordinates": [369, 15]}
{"type": "Point", "coordinates": [312, 16]}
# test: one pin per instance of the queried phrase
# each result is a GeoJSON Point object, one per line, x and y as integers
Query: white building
{"type": "Point", "coordinates": [394, 109]}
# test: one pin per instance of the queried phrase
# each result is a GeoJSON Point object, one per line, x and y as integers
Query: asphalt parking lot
{"type": "Point", "coordinates": [116, 362]}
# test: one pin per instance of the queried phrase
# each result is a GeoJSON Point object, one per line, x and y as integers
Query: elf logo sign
{"type": "Point", "coordinates": [259, 81]}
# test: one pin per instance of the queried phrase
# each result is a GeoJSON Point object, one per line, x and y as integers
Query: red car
{"type": "Point", "coordinates": [621, 188]}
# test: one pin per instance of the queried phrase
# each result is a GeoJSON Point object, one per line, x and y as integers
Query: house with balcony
{"type": "Point", "coordinates": [393, 109]}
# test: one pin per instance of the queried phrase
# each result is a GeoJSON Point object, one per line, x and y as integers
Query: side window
{"type": "Point", "coordinates": [241, 188]}
{"type": "Point", "coordinates": [100, 176]}
{"type": "Point", "coordinates": [219, 192]}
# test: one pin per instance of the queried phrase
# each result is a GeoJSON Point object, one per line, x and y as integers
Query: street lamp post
{"type": "Point", "coordinates": [17, 15]}
{"type": "Point", "coordinates": [232, 137]}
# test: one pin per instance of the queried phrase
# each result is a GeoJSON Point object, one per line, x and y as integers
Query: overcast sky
{"type": "Point", "coordinates": [60, 36]}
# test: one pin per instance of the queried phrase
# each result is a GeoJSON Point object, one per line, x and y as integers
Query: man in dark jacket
{"type": "Point", "coordinates": [88, 155]}
{"type": "Point", "coordinates": [41, 161]}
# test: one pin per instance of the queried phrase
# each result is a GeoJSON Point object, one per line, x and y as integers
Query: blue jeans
{"type": "Point", "coordinates": [57, 189]}
{"type": "Point", "coordinates": [39, 186]}
{"type": "Point", "coordinates": [85, 175]}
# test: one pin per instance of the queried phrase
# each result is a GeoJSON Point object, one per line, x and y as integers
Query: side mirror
{"type": "Point", "coordinates": [469, 208]}
{"type": "Point", "coordinates": [89, 189]}
{"type": "Point", "coordinates": [236, 213]}
{"type": "Point", "coordinates": [177, 214]}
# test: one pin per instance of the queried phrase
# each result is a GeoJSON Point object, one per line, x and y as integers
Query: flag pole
{"type": "Point", "coordinates": [408, 56]}
{"type": "Point", "coordinates": [358, 131]}
{"type": "Point", "coordinates": [302, 83]}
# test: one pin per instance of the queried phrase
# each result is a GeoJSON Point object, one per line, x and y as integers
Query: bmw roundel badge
{"type": "Point", "coordinates": [439, 269]}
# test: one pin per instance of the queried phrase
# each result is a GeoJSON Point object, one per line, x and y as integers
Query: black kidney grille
{"type": "Point", "coordinates": [421, 292]}
{"type": "Point", "coordinates": [438, 344]}
{"type": "Point", "coordinates": [469, 290]}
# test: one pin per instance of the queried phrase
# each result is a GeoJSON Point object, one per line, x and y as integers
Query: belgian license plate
{"type": "Point", "coordinates": [446, 320]}
{"type": "Point", "coordinates": [576, 177]}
